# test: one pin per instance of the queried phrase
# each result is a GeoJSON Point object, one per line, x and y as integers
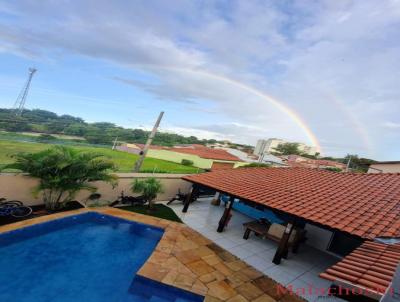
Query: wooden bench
{"type": "Point", "coordinates": [274, 232]}
{"type": "Point", "coordinates": [259, 228]}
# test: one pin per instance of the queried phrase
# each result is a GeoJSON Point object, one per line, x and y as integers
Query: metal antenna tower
{"type": "Point", "coordinates": [19, 104]}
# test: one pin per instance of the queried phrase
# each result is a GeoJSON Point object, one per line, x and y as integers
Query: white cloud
{"type": "Point", "coordinates": [335, 63]}
{"type": "Point", "coordinates": [391, 125]}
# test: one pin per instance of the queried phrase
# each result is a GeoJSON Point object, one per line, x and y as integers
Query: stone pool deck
{"type": "Point", "coordinates": [186, 259]}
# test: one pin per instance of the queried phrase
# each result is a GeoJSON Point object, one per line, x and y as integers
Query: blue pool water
{"type": "Point", "coordinates": [87, 257]}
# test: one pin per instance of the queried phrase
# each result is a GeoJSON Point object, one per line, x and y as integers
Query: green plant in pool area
{"type": "Point", "coordinates": [149, 188]}
{"type": "Point", "coordinates": [63, 172]}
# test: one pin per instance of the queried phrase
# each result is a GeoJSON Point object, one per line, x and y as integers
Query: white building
{"type": "Point", "coordinates": [267, 146]}
{"type": "Point", "coordinates": [385, 167]}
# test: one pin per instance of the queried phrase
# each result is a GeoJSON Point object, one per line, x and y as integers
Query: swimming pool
{"type": "Point", "coordinates": [86, 257]}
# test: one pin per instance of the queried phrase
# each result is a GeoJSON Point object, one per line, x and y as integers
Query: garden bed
{"type": "Point", "coordinates": [160, 211]}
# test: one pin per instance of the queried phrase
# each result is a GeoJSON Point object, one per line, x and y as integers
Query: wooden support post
{"type": "Point", "coordinates": [298, 239]}
{"type": "Point", "coordinates": [190, 197]}
{"type": "Point", "coordinates": [283, 244]}
{"type": "Point", "coordinates": [224, 219]}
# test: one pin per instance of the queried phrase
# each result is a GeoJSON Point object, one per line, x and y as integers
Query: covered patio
{"type": "Point", "coordinates": [346, 208]}
{"type": "Point", "coordinates": [300, 271]}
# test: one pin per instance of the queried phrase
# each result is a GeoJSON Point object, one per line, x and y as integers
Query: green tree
{"type": "Point", "coordinates": [63, 172]}
{"type": "Point", "coordinates": [333, 169]}
{"type": "Point", "coordinates": [358, 164]}
{"type": "Point", "coordinates": [149, 188]}
{"type": "Point", "coordinates": [256, 165]}
{"type": "Point", "coordinates": [288, 149]}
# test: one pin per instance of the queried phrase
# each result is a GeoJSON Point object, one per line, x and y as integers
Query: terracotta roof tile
{"type": "Point", "coordinates": [366, 205]}
{"type": "Point", "coordinates": [206, 152]}
{"type": "Point", "coordinates": [372, 265]}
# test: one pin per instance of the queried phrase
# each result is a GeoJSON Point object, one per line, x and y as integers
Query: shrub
{"type": "Point", "coordinates": [44, 138]}
{"type": "Point", "coordinates": [63, 172]}
{"type": "Point", "coordinates": [256, 165]}
{"type": "Point", "coordinates": [333, 169]}
{"type": "Point", "coordinates": [187, 162]}
{"type": "Point", "coordinates": [149, 188]}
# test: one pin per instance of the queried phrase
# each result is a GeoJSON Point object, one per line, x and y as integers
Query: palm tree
{"type": "Point", "coordinates": [63, 172]}
{"type": "Point", "coordinates": [149, 188]}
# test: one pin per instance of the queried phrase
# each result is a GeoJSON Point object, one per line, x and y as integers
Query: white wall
{"type": "Point", "coordinates": [384, 168]}
{"type": "Point", "coordinates": [19, 187]}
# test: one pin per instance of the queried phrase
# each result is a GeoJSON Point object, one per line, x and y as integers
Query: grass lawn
{"type": "Point", "coordinates": [123, 160]}
{"type": "Point", "coordinates": [160, 211]}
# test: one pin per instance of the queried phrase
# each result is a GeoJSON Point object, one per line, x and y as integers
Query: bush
{"type": "Point", "coordinates": [63, 172]}
{"type": "Point", "coordinates": [333, 169]}
{"type": "Point", "coordinates": [256, 165]}
{"type": "Point", "coordinates": [149, 188]}
{"type": "Point", "coordinates": [187, 162]}
{"type": "Point", "coordinates": [44, 138]}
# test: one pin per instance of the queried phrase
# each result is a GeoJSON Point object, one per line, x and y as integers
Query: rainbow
{"type": "Point", "coordinates": [357, 126]}
{"type": "Point", "coordinates": [273, 101]}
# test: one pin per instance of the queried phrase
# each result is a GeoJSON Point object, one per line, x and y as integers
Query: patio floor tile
{"type": "Point", "coordinates": [304, 266]}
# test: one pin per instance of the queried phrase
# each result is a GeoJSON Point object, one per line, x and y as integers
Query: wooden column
{"type": "Point", "coordinates": [190, 197]}
{"type": "Point", "coordinates": [225, 216]}
{"type": "Point", "coordinates": [283, 244]}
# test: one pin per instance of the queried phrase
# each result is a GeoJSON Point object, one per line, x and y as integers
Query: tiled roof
{"type": "Point", "coordinates": [365, 205]}
{"type": "Point", "coordinates": [304, 162]}
{"type": "Point", "coordinates": [205, 152]}
{"type": "Point", "coordinates": [371, 266]}
{"type": "Point", "coordinates": [199, 150]}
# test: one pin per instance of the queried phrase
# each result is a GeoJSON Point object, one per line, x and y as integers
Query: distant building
{"type": "Point", "coordinates": [304, 162]}
{"type": "Point", "coordinates": [269, 145]}
{"type": "Point", "coordinates": [130, 148]}
{"type": "Point", "coordinates": [223, 144]}
{"type": "Point", "coordinates": [135, 148]}
{"type": "Point", "coordinates": [273, 160]}
{"type": "Point", "coordinates": [385, 167]}
{"type": "Point", "coordinates": [201, 156]}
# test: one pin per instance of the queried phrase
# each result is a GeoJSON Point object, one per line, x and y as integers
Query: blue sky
{"type": "Point", "coordinates": [237, 70]}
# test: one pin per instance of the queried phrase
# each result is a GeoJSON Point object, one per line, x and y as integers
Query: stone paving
{"type": "Point", "coordinates": [186, 259]}
{"type": "Point", "coordinates": [299, 271]}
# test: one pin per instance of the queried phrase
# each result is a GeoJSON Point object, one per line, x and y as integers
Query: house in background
{"type": "Point", "coordinates": [269, 145]}
{"type": "Point", "coordinates": [201, 156]}
{"type": "Point", "coordinates": [272, 160]}
{"type": "Point", "coordinates": [385, 167]}
{"type": "Point", "coordinates": [135, 148]}
{"type": "Point", "coordinates": [304, 162]}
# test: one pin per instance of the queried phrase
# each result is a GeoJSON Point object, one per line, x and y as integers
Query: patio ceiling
{"type": "Point", "coordinates": [364, 205]}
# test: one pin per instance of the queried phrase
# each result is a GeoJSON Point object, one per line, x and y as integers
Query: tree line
{"type": "Point", "coordinates": [47, 122]}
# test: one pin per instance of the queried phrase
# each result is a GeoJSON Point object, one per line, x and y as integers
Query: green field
{"type": "Point", "coordinates": [124, 161]}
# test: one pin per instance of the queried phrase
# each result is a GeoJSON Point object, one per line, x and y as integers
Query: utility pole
{"type": "Point", "coordinates": [19, 104]}
{"type": "Point", "coordinates": [115, 143]}
{"type": "Point", "coordinates": [139, 162]}
{"type": "Point", "coordinates": [348, 164]}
